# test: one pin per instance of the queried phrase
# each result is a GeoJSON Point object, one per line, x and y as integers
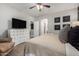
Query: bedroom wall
{"type": "Point", "coordinates": [71, 11]}
{"type": "Point", "coordinates": [6, 14]}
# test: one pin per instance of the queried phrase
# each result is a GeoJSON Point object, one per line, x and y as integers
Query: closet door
{"type": "Point", "coordinates": [36, 28]}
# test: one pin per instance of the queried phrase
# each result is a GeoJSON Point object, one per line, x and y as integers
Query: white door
{"type": "Point", "coordinates": [36, 28]}
{"type": "Point", "coordinates": [44, 26]}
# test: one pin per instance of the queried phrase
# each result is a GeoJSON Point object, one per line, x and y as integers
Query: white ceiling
{"type": "Point", "coordinates": [55, 7]}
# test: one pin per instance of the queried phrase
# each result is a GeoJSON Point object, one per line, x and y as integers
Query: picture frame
{"type": "Point", "coordinates": [66, 18]}
{"type": "Point", "coordinates": [56, 27]}
{"type": "Point", "coordinates": [65, 25]}
{"type": "Point", "coordinates": [57, 20]}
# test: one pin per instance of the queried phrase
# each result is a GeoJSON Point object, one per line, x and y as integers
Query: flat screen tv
{"type": "Point", "coordinates": [18, 24]}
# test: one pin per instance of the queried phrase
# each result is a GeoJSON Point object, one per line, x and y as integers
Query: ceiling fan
{"type": "Point", "coordinates": [40, 6]}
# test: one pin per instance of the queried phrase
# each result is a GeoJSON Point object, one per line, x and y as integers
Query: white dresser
{"type": "Point", "coordinates": [19, 35]}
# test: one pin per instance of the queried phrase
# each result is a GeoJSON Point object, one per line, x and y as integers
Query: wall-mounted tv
{"type": "Point", "coordinates": [18, 24]}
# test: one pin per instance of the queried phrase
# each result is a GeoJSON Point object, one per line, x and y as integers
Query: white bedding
{"type": "Point", "coordinates": [47, 44]}
{"type": "Point", "coordinates": [71, 51]}
{"type": "Point", "coordinates": [50, 45]}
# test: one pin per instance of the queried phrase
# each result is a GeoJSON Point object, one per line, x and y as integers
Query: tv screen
{"type": "Point", "coordinates": [17, 23]}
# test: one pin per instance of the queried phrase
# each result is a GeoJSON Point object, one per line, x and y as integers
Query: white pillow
{"type": "Point", "coordinates": [74, 23]}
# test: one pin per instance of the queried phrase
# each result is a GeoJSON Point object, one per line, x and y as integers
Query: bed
{"type": "Point", "coordinates": [44, 45]}
{"type": "Point", "coordinates": [48, 45]}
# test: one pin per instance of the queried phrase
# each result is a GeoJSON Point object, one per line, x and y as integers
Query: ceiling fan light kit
{"type": "Point", "coordinates": [40, 6]}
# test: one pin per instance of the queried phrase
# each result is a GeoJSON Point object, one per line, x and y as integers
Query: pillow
{"type": "Point", "coordinates": [5, 46]}
{"type": "Point", "coordinates": [73, 37]}
{"type": "Point", "coordinates": [7, 52]}
{"type": "Point", "coordinates": [74, 23]}
{"type": "Point", "coordinates": [63, 34]}
{"type": "Point", "coordinates": [5, 40]}
{"type": "Point", "coordinates": [18, 50]}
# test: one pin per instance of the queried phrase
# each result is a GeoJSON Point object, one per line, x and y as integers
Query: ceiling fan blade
{"type": "Point", "coordinates": [31, 7]}
{"type": "Point", "coordinates": [48, 6]}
